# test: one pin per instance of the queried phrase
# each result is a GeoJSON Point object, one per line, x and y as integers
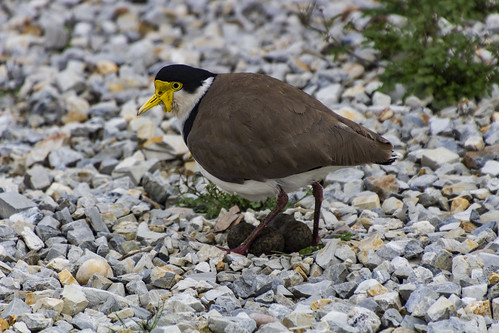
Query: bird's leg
{"type": "Point", "coordinates": [282, 200]}
{"type": "Point", "coordinates": [317, 192]}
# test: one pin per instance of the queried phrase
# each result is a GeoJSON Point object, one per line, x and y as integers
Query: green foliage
{"type": "Point", "coordinates": [311, 249]}
{"type": "Point", "coordinates": [345, 237]}
{"type": "Point", "coordinates": [427, 58]}
{"type": "Point", "coordinates": [212, 200]}
{"type": "Point", "coordinates": [429, 47]}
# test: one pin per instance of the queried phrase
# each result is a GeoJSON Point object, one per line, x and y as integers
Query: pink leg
{"type": "Point", "coordinates": [282, 200]}
{"type": "Point", "coordinates": [317, 192]}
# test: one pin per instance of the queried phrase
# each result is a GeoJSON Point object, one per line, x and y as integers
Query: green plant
{"type": "Point", "coordinates": [311, 249]}
{"type": "Point", "coordinates": [429, 47]}
{"type": "Point", "coordinates": [344, 237]}
{"type": "Point", "coordinates": [212, 200]}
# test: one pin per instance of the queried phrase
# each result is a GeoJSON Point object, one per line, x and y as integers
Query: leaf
{"type": "Point", "coordinates": [311, 249]}
{"type": "Point", "coordinates": [345, 237]}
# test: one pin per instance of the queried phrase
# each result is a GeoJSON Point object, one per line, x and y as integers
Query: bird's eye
{"type": "Point", "coordinates": [176, 85]}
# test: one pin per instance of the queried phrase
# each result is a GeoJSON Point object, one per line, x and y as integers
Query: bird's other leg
{"type": "Point", "coordinates": [282, 201]}
{"type": "Point", "coordinates": [317, 192]}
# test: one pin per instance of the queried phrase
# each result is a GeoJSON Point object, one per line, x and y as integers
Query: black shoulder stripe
{"type": "Point", "coordinates": [192, 115]}
{"type": "Point", "coordinates": [190, 120]}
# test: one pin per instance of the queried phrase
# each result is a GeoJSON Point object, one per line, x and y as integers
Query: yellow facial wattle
{"type": "Point", "coordinates": [164, 94]}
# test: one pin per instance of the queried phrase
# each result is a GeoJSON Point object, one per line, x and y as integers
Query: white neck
{"type": "Point", "coordinates": [184, 102]}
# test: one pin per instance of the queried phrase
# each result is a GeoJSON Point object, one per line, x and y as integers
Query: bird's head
{"type": "Point", "coordinates": [176, 79]}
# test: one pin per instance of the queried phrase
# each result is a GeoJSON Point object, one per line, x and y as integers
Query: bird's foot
{"type": "Point", "coordinates": [241, 249]}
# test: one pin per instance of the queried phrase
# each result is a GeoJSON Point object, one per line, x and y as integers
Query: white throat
{"type": "Point", "coordinates": [184, 102]}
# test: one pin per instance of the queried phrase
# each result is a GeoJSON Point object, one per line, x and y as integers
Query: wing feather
{"type": "Point", "coordinates": [251, 126]}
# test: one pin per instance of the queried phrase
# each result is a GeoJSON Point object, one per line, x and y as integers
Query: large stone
{"type": "Point", "coordinates": [64, 157]}
{"type": "Point", "coordinates": [420, 300]}
{"type": "Point", "coordinates": [382, 185]}
{"type": "Point", "coordinates": [91, 267]}
{"type": "Point", "coordinates": [380, 99]}
{"type": "Point", "coordinates": [95, 219]}
{"type": "Point", "coordinates": [481, 308]}
{"type": "Point", "coordinates": [367, 200]}
{"type": "Point", "coordinates": [74, 299]}
{"type": "Point", "coordinates": [144, 234]}
{"type": "Point", "coordinates": [435, 158]}
{"type": "Point", "coordinates": [441, 309]}
{"type": "Point", "coordinates": [33, 242]}
{"type": "Point", "coordinates": [16, 307]}
{"type": "Point", "coordinates": [373, 242]}
{"type": "Point", "coordinates": [298, 319]}
{"type": "Point", "coordinates": [490, 168]}
{"type": "Point", "coordinates": [477, 159]}
{"type": "Point", "coordinates": [364, 320]}
{"type": "Point", "coordinates": [329, 95]}
{"type": "Point", "coordinates": [326, 256]}
{"type": "Point", "coordinates": [37, 178]}
{"type": "Point", "coordinates": [78, 232]}
{"type": "Point", "coordinates": [35, 321]}
{"type": "Point", "coordinates": [12, 203]}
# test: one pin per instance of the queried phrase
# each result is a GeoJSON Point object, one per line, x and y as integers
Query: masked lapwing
{"type": "Point", "coordinates": [259, 137]}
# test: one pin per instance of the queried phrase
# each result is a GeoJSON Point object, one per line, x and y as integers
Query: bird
{"type": "Point", "coordinates": [260, 137]}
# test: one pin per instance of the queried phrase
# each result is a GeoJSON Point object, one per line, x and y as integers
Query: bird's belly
{"type": "Point", "coordinates": [258, 190]}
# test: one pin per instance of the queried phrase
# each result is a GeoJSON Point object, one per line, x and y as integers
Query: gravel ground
{"type": "Point", "coordinates": [91, 239]}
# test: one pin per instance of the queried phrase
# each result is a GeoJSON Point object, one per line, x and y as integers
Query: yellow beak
{"type": "Point", "coordinates": [164, 93]}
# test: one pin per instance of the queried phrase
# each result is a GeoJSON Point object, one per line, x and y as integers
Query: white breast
{"type": "Point", "coordinates": [184, 102]}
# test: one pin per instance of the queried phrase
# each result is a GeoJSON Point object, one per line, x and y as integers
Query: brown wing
{"type": "Point", "coordinates": [251, 126]}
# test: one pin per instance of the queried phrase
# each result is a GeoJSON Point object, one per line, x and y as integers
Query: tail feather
{"type": "Point", "coordinates": [395, 156]}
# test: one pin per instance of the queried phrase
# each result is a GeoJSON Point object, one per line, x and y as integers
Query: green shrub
{"type": "Point", "coordinates": [430, 47]}
{"type": "Point", "coordinates": [210, 201]}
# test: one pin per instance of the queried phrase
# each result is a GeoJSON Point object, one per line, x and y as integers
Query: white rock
{"type": "Point", "coordinates": [434, 158]}
{"type": "Point", "coordinates": [370, 287]}
{"type": "Point", "coordinates": [203, 267]}
{"type": "Point", "coordinates": [492, 23]}
{"type": "Point", "coordinates": [326, 254]}
{"type": "Point", "coordinates": [367, 201]}
{"type": "Point", "coordinates": [33, 242]}
{"type": "Point", "coordinates": [298, 319]}
{"type": "Point", "coordinates": [329, 95]}
{"type": "Point", "coordinates": [391, 204]}
{"type": "Point", "coordinates": [364, 320]}
{"type": "Point", "coordinates": [474, 143]}
{"type": "Point", "coordinates": [423, 227]}
{"type": "Point", "coordinates": [491, 167]}
{"type": "Point", "coordinates": [380, 99]}
{"type": "Point", "coordinates": [439, 125]}
{"type": "Point", "coordinates": [441, 309]}
{"type": "Point", "coordinates": [476, 291]}
{"type": "Point", "coordinates": [74, 299]}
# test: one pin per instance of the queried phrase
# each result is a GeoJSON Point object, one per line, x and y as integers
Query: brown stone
{"type": "Point", "coordinates": [316, 305]}
{"type": "Point", "coordinates": [468, 226]}
{"type": "Point", "coordinates": [477, 159]}
{"type": "Point", "coordinates": [459, 205]}
{"type": "Point", "coordinates": [373, 242]}
{"type": "Point", "coordinates": [481, 308]}
{"type": "Point", "coordinates": [382, 185]}
{"type": "Point", "coordinates": [493, 278]}
{"type": "Point", "coordinates": [65, 277]}
{"type": "Point", "coordinates": [4, 325]}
